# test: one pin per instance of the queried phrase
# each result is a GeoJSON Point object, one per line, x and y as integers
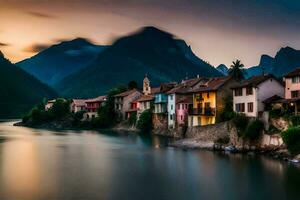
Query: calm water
{"type": "Point", "coordinates": [49, 165]}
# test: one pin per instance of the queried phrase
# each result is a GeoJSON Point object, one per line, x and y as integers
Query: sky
{"type": "Point", "coordinates": [219, 31]}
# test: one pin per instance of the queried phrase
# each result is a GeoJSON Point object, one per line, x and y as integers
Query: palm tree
{"type": "Point", "coordinates": [236, 70]}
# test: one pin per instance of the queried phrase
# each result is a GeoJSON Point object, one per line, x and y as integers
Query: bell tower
{"type": "Point", "coordinates": [146, 86]}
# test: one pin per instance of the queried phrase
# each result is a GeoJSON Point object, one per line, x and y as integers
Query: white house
{"type": "Point", "coordinates": [249, 95]}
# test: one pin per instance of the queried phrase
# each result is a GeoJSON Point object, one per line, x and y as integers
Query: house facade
{"type": "Point", "coordinates": [292, 84]}
{"type": "Point", "coordinates": [175, 96]}
{"type": "Point", "coordinates": [78, 105]}
{"type": "Point", "coordinates": [92, 106]}
{"type": "Point", "coordinates": [249, 95]}
{"type": "Point", "coordinates": [49, 104]}
{"type": "Point", "coordinates": [209, 99]}
{"type": "Point", "coordinates": [123, 103]}
{"type": "Point", "coordinates": [161, 98]}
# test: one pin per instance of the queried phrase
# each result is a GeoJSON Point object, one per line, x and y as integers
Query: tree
{"type": "Point", "coordinates": [132, 85]}
{"type": "Point", "coordinates": [145, 122]}
{"type": "Point", "coordinates": [236, 70]}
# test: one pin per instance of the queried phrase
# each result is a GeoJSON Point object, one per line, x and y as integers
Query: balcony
{"type": "Point", "coordinates": [202, 111]}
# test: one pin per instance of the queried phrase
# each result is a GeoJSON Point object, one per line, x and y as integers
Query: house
{"type": "Point", "coordinates": [92, 106]}
{"type": "Point", "coordinates": [161, 98]}
{"type": "Point", "coordinates": [145, 102]}
{"type": "Point", "coordinates": [209, 99]}
{"type": "Point", "coordinates": [78, 105]}
{"type": "Point", "coordinates": [124, 103]}
{"type": "Point", "coordinates": [250, 95]}
{"type": "Point", "coordinates": [175, 97]}
{"type": "Point", "coordinates": [49, 104]}
{"type": "Point", "coordinates": [182, 107]}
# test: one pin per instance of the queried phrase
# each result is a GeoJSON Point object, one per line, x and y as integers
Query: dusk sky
{"type": "Point", "coordinates": [218, 31]}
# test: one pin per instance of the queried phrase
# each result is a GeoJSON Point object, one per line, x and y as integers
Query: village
{"type": "Point", "coordinates": [196, 106]}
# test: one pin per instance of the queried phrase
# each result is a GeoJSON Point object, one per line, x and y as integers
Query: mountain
{"type": "Point", "coordinates": [60, 60]}
{"type": "Point", "coordinates": [19, 91]}
{"type": "Point", "coordinates": [285, 60]}
{"type": "Point", "coordinates": [223, 69]}
{"type": "Point", "coordinates": [148, 51]}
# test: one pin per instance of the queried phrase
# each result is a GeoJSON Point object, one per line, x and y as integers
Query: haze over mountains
{"type": "Point", "coordinates": [149, 51]}
{"type": "Point", "coordinates": [19, 91]}
{"type": "Point", "coordinates": [58, 61]}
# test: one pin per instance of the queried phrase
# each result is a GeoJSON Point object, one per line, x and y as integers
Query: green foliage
{"type": "Point", "coordinates": [295, 120]}
{"type": "Point", "coordinates": [272, 130]}
{"type": "Point", "coordinates": [145, 122]}
{"type": "Point", "coordinates": [254, 130]}
{"type": "Point", "coordinates": [132, 119]}
{"type": "Point", "coordinates": [132, 85]}
{"type": "Point", "coordinates": [228, 112]}
{"type": "Point", "coordinates": [60, 108]}
{"type": "Point", "coordinates": [236, 70]}
{"type": "Point", "coordinates": [240, 121]}
{"type": "Point", "coordinates": [291, 138]}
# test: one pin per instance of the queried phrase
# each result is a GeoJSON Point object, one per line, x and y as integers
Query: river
{"type": "Point", "coordinates": [88, 165]}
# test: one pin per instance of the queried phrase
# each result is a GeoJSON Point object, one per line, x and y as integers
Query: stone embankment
{"type": "Point", "coordinates": [220, 136]}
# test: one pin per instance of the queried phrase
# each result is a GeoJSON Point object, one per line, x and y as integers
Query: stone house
{"type": "Point", "coordinates": [123, 103]}
{"type": "Point", "coordinates": [78, 105]}
{"type": "Point", "coordinates": [92, 106]}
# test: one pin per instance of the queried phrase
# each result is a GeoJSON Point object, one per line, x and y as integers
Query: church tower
{"type": "Point", "coordinates": [146, 86]}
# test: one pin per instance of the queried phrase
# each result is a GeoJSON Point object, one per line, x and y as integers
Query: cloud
{"type": "Point", "coordinates": [36, 48]}
{"type": "Point", "coordinates": [42, 15]}
{"type": "Point", "coordinates": [3, 44]}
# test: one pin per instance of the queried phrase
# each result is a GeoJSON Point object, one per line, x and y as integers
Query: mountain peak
{"type": "Point", "coordinates": [265, 60]}
{"type": "Point", "coordinates": [286, 49]}
{"type": "Point", "coordinates": [152, 30]}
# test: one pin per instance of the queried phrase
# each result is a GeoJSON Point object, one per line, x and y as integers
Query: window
{"type": "Point", "coordinates": [250, 107]}
{"type": "Point", "coordinates": [238, 92]}
{"type": "Point", "coordinates": [249, 91]}
{"type": "Point", "coordinates": [171, 97]}
{"type": "Point", "coordinates": [171, 107]}
{"type": "Point", "coordinates": [171, 117]}
{"type": "Point", "coordinates": [181, 117]}
{"type": "Point", "coordinates": [296, 79]}
{"type": "Point", "coordinates": [178, 107]}
{"type": "Point", "coordinates": [186, 106]}
{"type": "Point", "coordinates": [295, 94]}
{"type": "Point", "coordinates": [207, 95]}
{"type": "Point", "coordinates": [207, 105]}
{"type": "Point", "coordinates": [240, 107]}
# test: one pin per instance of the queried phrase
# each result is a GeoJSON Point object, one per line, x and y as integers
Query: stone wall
{"type": "Point", "coordinates": [225, 130]}
{"type": "Point", "coordinates": [209, 132]}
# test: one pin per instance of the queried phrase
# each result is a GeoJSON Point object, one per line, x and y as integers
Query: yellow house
{"type": "Point", "coordinates": [209, 100]}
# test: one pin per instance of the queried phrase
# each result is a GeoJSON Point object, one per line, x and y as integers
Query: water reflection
{"type": "Point", "coordinates": [44, 164]}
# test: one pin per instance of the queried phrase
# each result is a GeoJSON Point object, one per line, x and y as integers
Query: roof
{"type": "Point", "coordinates": [185, 86]}
{"type": "Point", "coordinates": [212, 84]}
{"type": "Point", "coordinates": [155, 90]}
{"type": "Point", "coordinates": [293, 73]}
{"type": "Point", "coordinates": [272, 99]}
{"type": "Point", "coordinates": [255, 81]}
{"type": "Point", "coordinates": [185, 100]}
{"type": "Point", "coordinates": [145, 98]}
{"type": "Point", "coordinates": [124, 94]}
{"type": "Point", "coordinates": [79, 102]}
{"type": "Point", "coordinates": [51, 101]}
{"type": "Point", "coordinates": [97, 99]}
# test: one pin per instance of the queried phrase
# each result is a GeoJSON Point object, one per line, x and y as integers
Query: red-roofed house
{"type": "Point", "coordinates": [78, 105]}
{"type": "Point", "coordinates": [92, 106]}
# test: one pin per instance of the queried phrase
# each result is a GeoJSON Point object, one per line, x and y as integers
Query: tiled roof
{"type": "Point", "coordinates": [272, 99]}
{"type": "Point", "coordinates": [79, 102]}
{"type": "Point", "coordinates": [97, 99]}
{"type": "Point", "coordinates": [155, 90]}
{"type": "Point", "coordinates": [185, 100]}
{"type": "Point", "coordinates": [255, 81]}
{"type": "Point", "coordinates": [145, 98]}
{"type": "Point", "coordinates": [211, 84]}
{"type": "Point", "coordinates": [293, 73]}
{"type": "Point", "coordinates": [124, 94]}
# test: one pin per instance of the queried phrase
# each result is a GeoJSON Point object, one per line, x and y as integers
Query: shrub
{"type": "Point", "coordinates": [145, 121]}
{"type": "Point", "coordinates": [132, 119]}
{"type": "Point", "coordinates": [295, 120]}
{"type": "Point", "coordinates": [60, 108]}
{"type": "Point", "coordinates": [241, 122]}
{"type": "Point", "coordinates": [254, 130]}
{"type": "Point", "coordinates": [291, 138]}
